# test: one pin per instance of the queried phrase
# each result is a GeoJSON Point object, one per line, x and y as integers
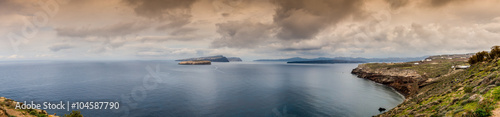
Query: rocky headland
{"type": "Point", "coordinates": [434, 87]}
{"type": "Point", "coordinates": [405, 81]}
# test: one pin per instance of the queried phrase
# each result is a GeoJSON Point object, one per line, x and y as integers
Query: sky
{"type": "Point", "coordinates": [250, 29]}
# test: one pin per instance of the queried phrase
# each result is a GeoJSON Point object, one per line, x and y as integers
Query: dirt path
{"type": "Point", "coordinates": [496, 112]}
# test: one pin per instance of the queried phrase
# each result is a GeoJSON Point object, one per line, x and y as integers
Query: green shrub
{"type": "Point", "coordinates": [33, 113]}
{"type": "Point", "coordinates": [485, 56]}
{"type": "Point", "coordinates": [482, 113]}
{"type": "Point", "coordinates": [436, 115]}
{"type": "Point", "coordinates": [495, 52]}
{"type": "Point", "coordinates": [468, 89]}
{"type": "Point", "coordinates": [496, 94]}
{"type": "Point", "coordinates": [74, 114]}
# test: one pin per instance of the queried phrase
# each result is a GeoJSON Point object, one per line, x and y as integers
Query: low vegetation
{"type": "Point", "coordinates": [74, 114]}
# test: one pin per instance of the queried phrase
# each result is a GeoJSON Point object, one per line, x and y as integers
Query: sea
{"type": "Point", "coordinates": [149, 88]}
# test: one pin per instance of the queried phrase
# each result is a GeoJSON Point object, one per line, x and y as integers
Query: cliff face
{"type": "Point", "coordinates": [404, 81]}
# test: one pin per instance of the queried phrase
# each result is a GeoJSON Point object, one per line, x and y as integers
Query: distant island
{"type": "Point", "coordinates": [195, 63]}
{"type": "Point", "coordinates": [326, 61]}
{"type": "Point", "coordinates": [346, 59]}
{"type": "Point", "coordinates": [234, 59]}
{"type": "Point", "coordinates": [218, 58]}
{"type": "Point", "coordinates": [207, 60]}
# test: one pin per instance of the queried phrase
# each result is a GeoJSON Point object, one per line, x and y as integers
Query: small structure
{"type": "Point", "coordinates": [462, 66]}
{"type": "Point", "coordinates": [428, 59]}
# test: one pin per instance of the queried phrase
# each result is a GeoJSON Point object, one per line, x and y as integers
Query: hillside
{"type": "Point", "coordinates": [346, 59]}
{"type": "Point", "coordinates": [325, 61]}
{"type": "Point", "coordinates": [434, 88]}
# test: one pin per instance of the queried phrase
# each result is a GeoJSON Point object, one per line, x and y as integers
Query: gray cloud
{"type": "Point", "coordinates": [257, 28]}
{"type": "Point", "coordinates": [173, 25]}
{"type": "Point", "coordinates": [300, 49]}
{"type": "Point", "coordinates": [16, 7]}
{"type": "Point", "coordinates": [158, 8]}
{"type": "Point", "coordinates": [119, 29]}
{"type": "Point", "coordinates": [163, 52]}
{"type": "Point", "coordinates": [395, 4]}
{"type": "Point", "coordinates": [304, 19]}
{"type": "Point", "coordinates": [59, 47]}
{"type": "Point", "coordinates": [177, 12]}
{"type": "Point", "coordinates": [183, 31]}
{"type": "Point", "coordinates": [167, 38]}
{"type": "Point", "coordinates": [225, 14]}
{"type": "Point", "coordinates": [439, 3]}
{"type": "Point", "coordinates": [242, 34]}
{"type": "Point", "coordinates": [106, 37]}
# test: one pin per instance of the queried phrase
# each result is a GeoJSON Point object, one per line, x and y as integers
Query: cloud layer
{"type": "Point", "coordinates": [158, 29]}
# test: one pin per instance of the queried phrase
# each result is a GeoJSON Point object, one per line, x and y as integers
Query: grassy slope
{"type": "Point", "coordinates": [470, 92]}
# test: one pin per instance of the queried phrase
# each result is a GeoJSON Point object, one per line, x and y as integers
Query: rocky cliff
{"type": "Point", "coordinates": [403, 80]}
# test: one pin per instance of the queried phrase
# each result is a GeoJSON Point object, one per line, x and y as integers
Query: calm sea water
{"type": "Point", "coordinates": [241, 89]}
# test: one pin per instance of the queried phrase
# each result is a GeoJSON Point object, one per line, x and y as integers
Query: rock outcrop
{"type": "Point", "coordinates": [405, 81]}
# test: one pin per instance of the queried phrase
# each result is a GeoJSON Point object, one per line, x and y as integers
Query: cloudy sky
{"type": "Point", "coordinates": [251, 29]}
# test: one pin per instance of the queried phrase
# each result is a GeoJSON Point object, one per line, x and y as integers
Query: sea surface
{"type": "Point", "coordinates": [163, 88]}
